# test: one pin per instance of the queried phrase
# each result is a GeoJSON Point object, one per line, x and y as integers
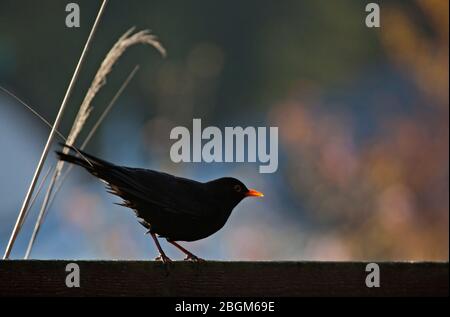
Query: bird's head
{"type": "Point", "coordinates": [231, 190]}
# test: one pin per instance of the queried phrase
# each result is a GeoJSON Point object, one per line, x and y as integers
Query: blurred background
{"type": "Point", "coordinates": [363, 117]}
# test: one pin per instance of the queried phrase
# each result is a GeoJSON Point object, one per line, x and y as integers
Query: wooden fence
{"type": "Point", "coordinates": [149, 278]}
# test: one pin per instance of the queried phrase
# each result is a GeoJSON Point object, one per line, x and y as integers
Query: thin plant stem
{"type": "Point", "coordinates": [41, 185]}
{"type": "Point", "coordinates": [42, 119]}
{"type": "Point", "coordinates": [58, 119]}
{"type": "Point", "coordinates": [48, 199]}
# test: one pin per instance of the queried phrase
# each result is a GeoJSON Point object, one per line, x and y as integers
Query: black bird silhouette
{"type": "Point", "coordinates": [170, 207]}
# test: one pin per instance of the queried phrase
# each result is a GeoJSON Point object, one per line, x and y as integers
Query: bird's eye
{"type": "Point", "coordinates": [237, 188]}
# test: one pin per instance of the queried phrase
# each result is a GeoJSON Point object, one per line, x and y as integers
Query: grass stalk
{"type": "Point", "coordinates": [51, 194]}
{"type": "Point", "coordinates": [55, 126]}
{"type": "Point", "coordinates": [125, 41]}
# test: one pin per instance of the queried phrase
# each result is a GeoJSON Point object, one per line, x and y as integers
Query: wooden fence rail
{"type": "Point", "coordinates": [148, 278]}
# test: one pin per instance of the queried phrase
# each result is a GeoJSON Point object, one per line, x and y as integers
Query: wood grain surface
{"type": "Point", "coordinates": [149, 278]}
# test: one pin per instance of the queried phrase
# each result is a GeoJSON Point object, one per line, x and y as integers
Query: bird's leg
{"type": "Point", "coordinates": [189, 255]}
{"type": "Point", "coordinates": [162, 256]}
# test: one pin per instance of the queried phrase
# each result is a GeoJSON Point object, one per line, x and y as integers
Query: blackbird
{"type": "Point", "coordinates": [170, 207]}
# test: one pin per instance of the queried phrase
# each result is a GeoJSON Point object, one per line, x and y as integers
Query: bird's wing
{"type": "Point", "coordinates": [143, 189]}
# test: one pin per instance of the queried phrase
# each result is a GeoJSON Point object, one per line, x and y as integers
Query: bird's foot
{"type": "Point", "coordinates": [193, 258]}
{"type": "Point", "coordinates": [164, 258]}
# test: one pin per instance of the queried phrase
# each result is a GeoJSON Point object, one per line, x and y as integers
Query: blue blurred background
{"type": "Point", "coordinates": [362, 116]}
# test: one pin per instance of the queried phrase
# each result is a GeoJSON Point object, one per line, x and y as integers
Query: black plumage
{"type": "Point", "coordinates": [175, 208]}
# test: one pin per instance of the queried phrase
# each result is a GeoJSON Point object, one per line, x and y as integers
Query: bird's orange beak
{"type": "Point", "coordinates": [254, 193]}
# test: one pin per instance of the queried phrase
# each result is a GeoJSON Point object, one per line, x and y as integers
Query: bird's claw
{"type": "Point", "coordinates": [193, 258]}
{"type": "Point", "coordinates": [164, 258]}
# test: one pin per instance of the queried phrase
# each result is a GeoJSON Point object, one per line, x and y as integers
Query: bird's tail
{"type": "Point", "coordinates": [89, 162]}
{"type": "Point", "coordinates": [108, 172]}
